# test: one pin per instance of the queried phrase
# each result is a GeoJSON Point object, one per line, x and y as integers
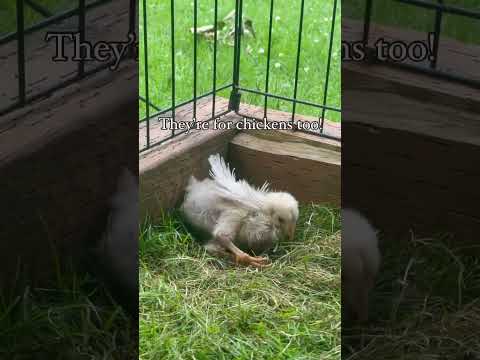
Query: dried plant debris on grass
{"type": "Point", "coordinates": [425, 306]}
{"type": "Point", "coordinates": [194, 306]}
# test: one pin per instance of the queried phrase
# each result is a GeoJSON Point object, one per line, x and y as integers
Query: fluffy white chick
{"type": "Point", "coordinates": [360, 263]}
{"type": "Point", "coordinates": [116, 252]}
{"type": "Point", "coordinates": [238, 217]}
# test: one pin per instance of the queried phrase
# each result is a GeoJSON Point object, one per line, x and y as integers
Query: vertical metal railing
{"type": "Point", "coordinates": [132, 25]}
{"type": "Point", "coordinates": [145, 55]}
{"type": "Point", "coordinates": [21, 52]}
{"type": "Point", "coordinates": [81, 30]}
{"type": "Point", "coordinates": [297, 62]}
{"type": "Point", "coordinates": [436, 36]}
{"type": "Point", "coordinates": [80, 11]}
{"type": "Point", "coordinates": [132, 22]}
{"type": "Point", "coordinates": [172, 39]}
{"type": "Point", "coordinates": [234, 96]}
{"type": "Point", "coordinates": [269, 55]}
{"type": "Point", "coordinates": [237, 90]}
{"type": "Point", "coordinates": [329, 64]}
{"type": "Point", "coordinates": [367, 19]}
{"type": "Point", "coordinates": [236, 87]}
{"type": "Point", "coordinates": [215, 39]}
{"type": "Point", "coordinates": [170, 111]}
{"type": "Point", "coordinates": [195, 41]}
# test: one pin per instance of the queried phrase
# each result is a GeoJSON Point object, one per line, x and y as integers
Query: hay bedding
{"type": "Point", "coordinates": [425, 305]}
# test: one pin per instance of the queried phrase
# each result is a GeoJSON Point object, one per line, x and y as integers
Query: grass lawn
{"type": "Point", "coordinates": [75, 319]}
{"type": "Point", "coordinates": [394, 13]}
{"type": "Point", "coordinates": [425, 305]}
{"type": "Point", "coordinates": [193, 306]}
{"type": "Point", "coordinates": [317, 23]}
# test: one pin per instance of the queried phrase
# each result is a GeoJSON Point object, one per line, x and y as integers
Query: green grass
{"type": "Point", "coordinates": [394, 13]}
{"type": "Point", "coordinates": [73, 319]}
{"type": "Point", "coordinates": [425, 305]}
{"type": "Point", "coordinates": [312, 68]}
{"type": "Point", "coordinates": [193, 306]}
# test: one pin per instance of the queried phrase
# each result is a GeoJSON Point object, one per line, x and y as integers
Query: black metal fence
{"type": "Point", "coordinates": [154, 111]}
{"type": "Point", "coordinates": [80, 11]}
{"type": "Point", "coordinates": [439, 10]}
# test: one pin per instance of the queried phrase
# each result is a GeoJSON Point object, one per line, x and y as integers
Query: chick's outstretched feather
{"type": "Point", "coordinates": [236, 190]}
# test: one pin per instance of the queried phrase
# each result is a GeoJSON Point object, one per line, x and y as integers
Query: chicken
{"type": "Point", "coordinates": [360, 263]}
{"type": "Point", "coordinates": [238, 217]}
{"type": "Point", "coordinates": [115, 255]}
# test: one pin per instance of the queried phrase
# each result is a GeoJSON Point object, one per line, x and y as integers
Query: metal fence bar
{"type": "Point", "coordinates": [195, 15]}
{"type": "Point", "coordinates": [152, 105]}
{"type": "Point", "coordinates": [285, 98]}
{"type": "Point", "coordinates": [366, 22]}
{"type": "Point", "coordinates": [21, 52]}
{"type": "Point", "coordinates": [172, 24]}
{"type": "Point", "coordinates": [235, 46]}
{"type": "Point", "coordinates": [449, 9]}
{"type": "Point", "coordinates": [215, 39]}
{"type": "Point", "coordinates": [145, 52]}
{"type": "Point", "coordinates": [235, 95]}
{"type": "Point", "coordinates": [436, 39]}
{"type": "Point", "coordinates": [132, 23]}
{"type": "Point", "coordinates": [183, 103]}
{"type": "Point", "coordinates": [297, 64]}
{"type": "Point", "coordinates": [329, 61]}
{"type": "Point", "coordinates": [81, 31]}
{"type": "Point", "coordinates": [269, 53]}
{"type": "Point", "coordinates": [240, 33]}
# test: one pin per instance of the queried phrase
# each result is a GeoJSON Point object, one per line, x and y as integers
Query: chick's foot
{"type": "Point", "coordinates": [256, 261]}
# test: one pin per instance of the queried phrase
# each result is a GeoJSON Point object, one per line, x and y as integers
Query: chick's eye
{"type": "Point", "coordinates": [281, 220]}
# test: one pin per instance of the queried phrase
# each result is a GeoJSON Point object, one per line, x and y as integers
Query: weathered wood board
{"type": "Point", "coordinates": [294, 162]}
{"type": "Point", "coordinates": [411, 145]}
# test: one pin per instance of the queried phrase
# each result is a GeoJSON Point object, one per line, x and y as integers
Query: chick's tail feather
{"type": "Point", "coordinates": [240, 190]}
